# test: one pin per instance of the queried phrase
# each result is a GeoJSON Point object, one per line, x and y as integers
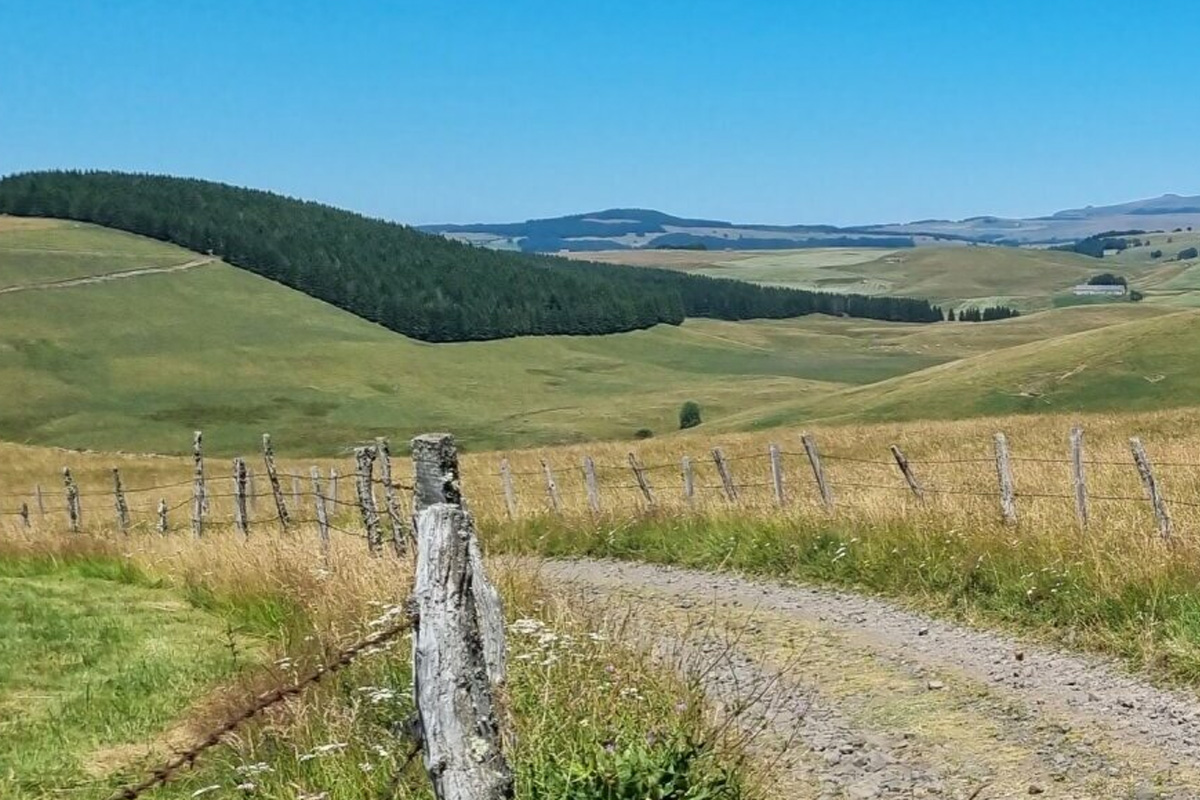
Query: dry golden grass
{"type": "Point", "coordinates": [953, 460]}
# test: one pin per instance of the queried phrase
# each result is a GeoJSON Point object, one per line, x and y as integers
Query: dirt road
{"type": "Point", "coordinates": [109, 276]}
{"type": "Point", "coordinates": [865, 700]}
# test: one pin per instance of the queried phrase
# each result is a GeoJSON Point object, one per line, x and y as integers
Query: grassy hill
{"type": "Point", "coordinates": [137, 363]}
{"type": "Point", "coordinates": [1139, 365]}
{"type": "Point", "coordinates": [953, 276]}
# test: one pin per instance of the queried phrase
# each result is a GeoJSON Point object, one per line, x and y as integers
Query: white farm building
{"type": "Point", "coordinates": [1106, 289]}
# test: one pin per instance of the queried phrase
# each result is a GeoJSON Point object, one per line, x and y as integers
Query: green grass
{"type": "Point", "coordinates": [1142, 365]}
{"type": "Point", "coordinates": [104, 670]}
{"type": "Point", "coordinates": [138, 364]}
{"type": "Point", "coordinates": [94, 658]}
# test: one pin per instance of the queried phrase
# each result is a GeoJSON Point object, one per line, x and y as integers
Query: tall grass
{"type": "Point", "coordinates": [591, 716]}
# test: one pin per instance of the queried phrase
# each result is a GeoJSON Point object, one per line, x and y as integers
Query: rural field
{"type": "Point", "coordinates": [626, 652]}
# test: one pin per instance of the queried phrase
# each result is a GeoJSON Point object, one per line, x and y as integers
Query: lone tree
{"type": "Point", "coordinates": [689, 415]}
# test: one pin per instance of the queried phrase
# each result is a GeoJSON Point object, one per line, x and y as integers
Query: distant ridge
{"type": "Point", "coordinates": [638, 228]}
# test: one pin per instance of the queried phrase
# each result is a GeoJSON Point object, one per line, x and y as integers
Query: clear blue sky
{"type": "Point", "coordinates": [842, 112]}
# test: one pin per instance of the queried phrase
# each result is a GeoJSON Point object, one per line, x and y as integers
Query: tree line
{"type": "Point", "coordinates": [422, 285]}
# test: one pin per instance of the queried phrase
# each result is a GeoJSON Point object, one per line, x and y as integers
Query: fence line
{"type": "Point", "coordinates": [784, 479]}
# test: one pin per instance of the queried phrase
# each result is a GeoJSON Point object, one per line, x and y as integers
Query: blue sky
{"type": "Point", "coordinates": [842, 112]}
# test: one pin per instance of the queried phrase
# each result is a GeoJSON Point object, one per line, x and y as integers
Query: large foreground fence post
{"type": "Point", "coordinates": [455, 699]}
{"type": "Point", "coordinates": [436, 481]}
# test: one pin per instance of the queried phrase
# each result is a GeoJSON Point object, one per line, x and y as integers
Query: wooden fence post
{"type": "Point", "coordinates": [776, 458]}
{"type": "Point", "coordinates": [506, 482]}
{"type": "Point", "coordinates": [322, 513]}
{"type": "Point", "coordinates": [551, 488]}
{"type": "Point", "coordinates": [590, 483]}
{"type": "Point", "coordinates": [163, 527]}
{"type": "Point", "coordinates": [456, 702]}
{"type": "Point", "coordinates": [240, 519]}
{"type": "Point", "coordinates": [384, 452]}
{"type": "Point", "coordinates": [74, 511]}
{"type": "Point", "coordinates": [364, 458]}
{"type": "Point", "coordinates": [436, 482]}
{"type": "Point", "coordinates": [24, 512]}
{"type": "Point", "coordinates": [119, 504]}
{"type": "Point", "coordinates": [814, 460]}
{"type": "Point", "coordinates": [731, 493]}
{"type": "Point", "coordinates": [273, 478]}
{"type": "Point", "coordinates": [1008, 488]}
{"type": "Point", "coordinates": [199, 501]}
{"type": "Point", "coordinates": [689, 480]}
{"type": "Point", "coordinates": [1153, 494]}
{"type": "Point", "coordinates": [639, 473]}
{"type": "Point", "coordinates": [333, 487]}
{"type": "Point", "coordinates": [251, 493]}
{"type": "Point", "coordinates": [1078, 478]}
{"type": "Point", "coordinates": [41, 502]}
{"type": "Point", "coordinates": [907, 472]}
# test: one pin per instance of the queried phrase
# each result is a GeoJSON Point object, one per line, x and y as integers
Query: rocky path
{"type": "Point", "coordinates": [861, 699]}
{"type": "Point", "coordinates": [108, 276]}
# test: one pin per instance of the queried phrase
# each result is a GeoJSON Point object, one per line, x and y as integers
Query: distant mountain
{"type": "Point", "coordinates": [636, 228]}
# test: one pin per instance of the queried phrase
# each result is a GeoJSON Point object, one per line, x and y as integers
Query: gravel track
{"type": "Point", "coordinates": [66, 283]}
{"type": "Point", "coordinates": [860, 698]}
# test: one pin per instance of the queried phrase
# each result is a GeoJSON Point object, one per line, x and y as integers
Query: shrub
{"type": "Point", "coordinates": [1156, 253]}
{"type": "Point", "coordinates": [689, 415]}
{"type": "Point", "coordinates": [643, 433]}
{"type": "Point", "coordinates": [1187, 252]}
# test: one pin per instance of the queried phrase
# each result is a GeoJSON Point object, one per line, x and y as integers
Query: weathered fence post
{"type": "Point", "coordinates": [1008, 489]}
{"type": "Point", "coordinates": [456, 702]}
{"type": "Point", "coordinates": [1078, 478]}
{"type": "Point", "coordinates": [251, 493]}
{"type": "Point", "coordinates": [41, 501]}
{"type": "Point", "coordinates": [639, 474]}
{"type": "Point", "coordinates": [384, 452]}
{"type": "Point", "coordinates": [551, 488]}
{"type": "Point", "coordinates": [731, 493]}
{"type": "Point", "coordinates": [689, 480]}
{"type": "Point", "coordinates": [590, 483]}
{"type": "Point", "coordinates": [364, 459]}
{"type": "Point", "coordinates": [199, 501]}
{"type": "Point", "coordinates": [333, 487]}
{"type": "Point", "coordinates": [907, 472]}
{"type": "Point", "coordinates": [510, 495]}
{"type": "Point", "coordinates": [322, 513]}
{"type": "Point", "coordinates": [74, 511]}
{"type": "Point", "coordinates": [814, 460]}
{"type": "Point", "coordinates": [1153, 494]}
{"type": "Point", "coordinates": [163, 527]}
{"type": "Point", "coordinates": [24, 512]}
{"type": "Point", "coordinates": [240, 519]}
{"type": "Point", "coordinates": [436, 481]}
{"type": "Point", "coordinates": [273, 478]}
{"type": "Point", "coordinates": [775, 456]}
{"type": "Point", "coordinates": [119, 504]}
{"type": "Point", "coordinates": [295, 492]}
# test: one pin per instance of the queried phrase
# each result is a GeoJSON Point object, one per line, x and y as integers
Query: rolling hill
{"type": "Point", "coordinates": [423, 286]}
{"type": "Point", "coordinates": [111, 341]}
{"type": "Point", "coordinates": [1139, 365]}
